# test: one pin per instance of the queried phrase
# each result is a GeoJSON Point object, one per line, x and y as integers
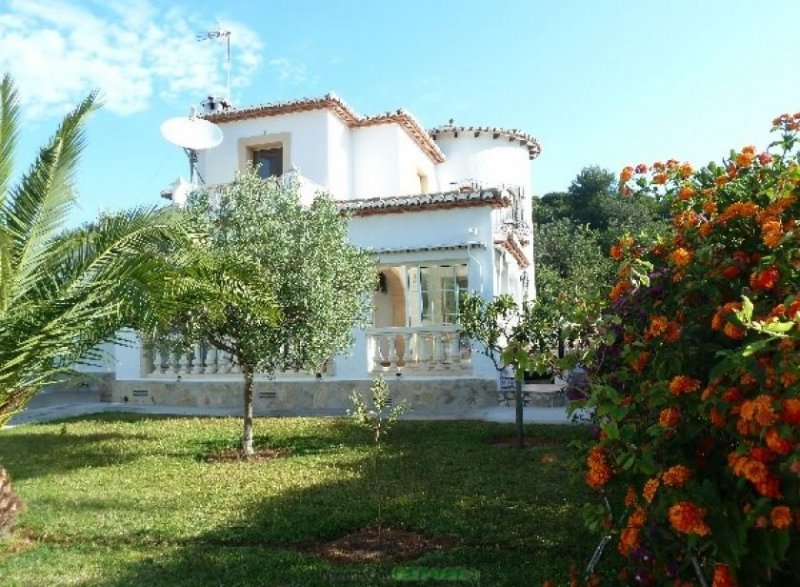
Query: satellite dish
{"type": "Point", "coordinates": [191, 133]}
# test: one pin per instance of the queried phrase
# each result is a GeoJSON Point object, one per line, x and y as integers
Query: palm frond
{"type": "Point", "coordinates": [39, 205]}
{"type": "Point", "coordinates": [9, 115]}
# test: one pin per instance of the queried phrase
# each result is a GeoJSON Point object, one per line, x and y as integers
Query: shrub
{"type": "Point", "coordinates": [699, 402]}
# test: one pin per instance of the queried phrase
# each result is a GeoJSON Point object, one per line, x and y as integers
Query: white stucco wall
{"type": "Point", "coordinates": [307, 147]}
{"type": "Point", "coordinates": [493, 162]}
{"type": "Point", "coordinates": [387, 162]}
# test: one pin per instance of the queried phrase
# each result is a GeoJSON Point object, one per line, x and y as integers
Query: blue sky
{"type": "Point", "coordinates": [605, 82]}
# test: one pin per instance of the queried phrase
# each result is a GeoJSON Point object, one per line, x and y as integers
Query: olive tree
{"type": "Point", "coordinates": [317, 282]}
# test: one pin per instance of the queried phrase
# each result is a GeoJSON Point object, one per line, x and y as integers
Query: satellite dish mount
{"type": "Point", "coordinates": [192, 134]}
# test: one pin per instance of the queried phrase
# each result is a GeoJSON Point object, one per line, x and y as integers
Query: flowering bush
{"type": "Point", "coordinates": [699, 401]}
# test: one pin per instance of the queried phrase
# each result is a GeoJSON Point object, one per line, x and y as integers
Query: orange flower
{"type": "Point", "coordinates": [677, 476]}
{"type": "Point", "coordinates": [791, 410]}
{"type": "Point", "coordinates": [628, 541]}
{"type": "Point", "coordinates": [687, 518]}
{"type": "Point", "coordinates": [641, 361]}
{"type": "Point", "coordinates": [731, 272]}
{"type": "Point", "coordinates": [626, 174]}
{"type": "Point", "coordinates": [765, 158]}
{"type": "Point", "coordinates": [660, 178]}
{"type": "Point", "coordinates": [618, 290]}
{"type": "Point", "coordinates": [683, 384]}
{"type": "Point", "coordinates": [769, 487]}
{"type": "Point", "coordinates": [778, 443]}
{"type": "Point", "coordinates": [685, 170]}
{"type": "Point", "coordinates": [759, 410]}
{"type": "Point", "coordinates": [669, 417]}
{"type": "Point", "coordinates": [722, 577]}
{"type": "Point", "coordinates": [772, 233]}
{"type": "Point", "coordinates": [650, 488]}
{"type": "Point", "coordinates": [681, 257]}
{"type": "Point", "coordinates": [658, 325]}
{"type": "Point", "coordinates": [738, 209]}
{"type": "Point", "coordinates": [766, 279]}
{"type": "Point", "coordinates": [673, 332]}
{"type": "Point", "coordinates": [630, 496]}
{"type": "Point", "coordinates": [781, 517]}
{"type": "Point", "coordinates": [745, 159]}
{"type": "Point", "coordinates": [733, 331]}
{"type": "Point", "coordinates": [599, 471]}
{"type": "Point", "coordinates": [686, 193]}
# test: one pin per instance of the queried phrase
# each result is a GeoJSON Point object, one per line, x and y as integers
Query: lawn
{"type": "Point", "coordinates": [126, 500]}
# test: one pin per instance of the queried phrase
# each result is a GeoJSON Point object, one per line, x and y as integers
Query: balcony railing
{"type": "Point", "coordinates": [202, 359]}
{"type": "Point", "coordinates": [428, 350]}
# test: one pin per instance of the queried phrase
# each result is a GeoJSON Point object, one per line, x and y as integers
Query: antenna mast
{"type": "Point", "coordinates": [219, 34]}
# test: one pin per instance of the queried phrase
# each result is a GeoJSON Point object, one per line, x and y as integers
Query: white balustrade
{"type": "Point", "coordinates": [202, 360]}
{"type": "Point", "coordinates": [429, 350]}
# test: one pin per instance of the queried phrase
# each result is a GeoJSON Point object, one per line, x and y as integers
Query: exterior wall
{"type": "Point", "coordinates": [387, 162]}
{"type": "Point", "coordinates": [305, 137]}
{"type": "Point", "coordinates": [493, 162]}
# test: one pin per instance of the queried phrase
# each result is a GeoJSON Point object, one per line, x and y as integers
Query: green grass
{"type": "Point", "coordinates": [125, 500]}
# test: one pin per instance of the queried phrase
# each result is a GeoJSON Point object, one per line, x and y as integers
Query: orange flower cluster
{"type": "Point", "coordinates": [650, 489]}
{"type": "Point", "coordinates": [677, 476]}
{"type": "Point", "coordinates": [765, 279]}
{"type": "Point", "coordinates": [686, 193]}
{"type": "Point", "coordinates": [790, 411]}
{"type": "Point", "coordinates": [641, 361]}
{"type": "Point", "coordinates": [620, 288]}
{"type": "Point", "coordinates": [788, 122]}
{"type": "Point", "coordinates": [661, 326]}
{"type": "Point", "coordinates": [755, 471]}
{"type": "Point", "coordinates": [720, 321]}
{"type": "Point", "coordinates": [746, 157]}
{"type": "Point", "coordinates": [629, 537]}
{"type": "Point", "coordinates": [687, 518]}
{"type": "Point", "coordinates": [781, 517]}
{"type": "Point", "coordinates": [681, 257]}
{"type": "Point", "coordinates": [759, 410]}
{"type": "Point", "coordinates": [669, 417]}
{"type": "Point", "coordinates": [777, 443]}
{"type": "Point", "coordinates": [626, 174]}
{"type": "Point", "coordinates": [683, 384]}
{"type": "Point", "coordinates": [599, 471]}
{"type": "Point", "coordinates": [618, 249]}
{"type": "Point", "coordinates": [722, 577]}
{"type": "Point", "coordinates": [738, 210]}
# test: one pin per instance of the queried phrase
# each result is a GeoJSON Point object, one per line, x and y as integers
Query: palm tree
{"type": "Point", "coordinates": [62, 292]}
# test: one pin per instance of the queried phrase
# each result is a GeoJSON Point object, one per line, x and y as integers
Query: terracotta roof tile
{"type": "Point", "coordinates": [534, 148]}
{"type": "Point", "coordinates": [342, 110]}
{"type": "Point", "coordinates": [495, 198]}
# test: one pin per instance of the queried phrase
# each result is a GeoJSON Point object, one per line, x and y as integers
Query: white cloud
{"type": "Point", "coordinates": [127, 49]}
{"type": "Point", "coordinates": [289, 70]}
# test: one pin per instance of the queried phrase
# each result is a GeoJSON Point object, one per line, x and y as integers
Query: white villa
{"type": "Point", "coordinates": [442, 210]}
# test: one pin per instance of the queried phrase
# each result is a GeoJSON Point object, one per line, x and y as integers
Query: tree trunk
{"type": "Point", "coordinates": [518, 405]}
{"type": "Point", "coordinates": [247, 434]}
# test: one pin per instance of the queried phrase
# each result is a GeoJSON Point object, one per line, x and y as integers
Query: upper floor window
{"type": "Point", "coordinates": [268, 161]}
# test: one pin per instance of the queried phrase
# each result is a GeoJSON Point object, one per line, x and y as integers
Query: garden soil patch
{"type": "Point", "coordinates": [236, 455]}
{"type": "Point", "coordinates": [528, 442]}
{"type": "Point", "coordinates": [392, 545]}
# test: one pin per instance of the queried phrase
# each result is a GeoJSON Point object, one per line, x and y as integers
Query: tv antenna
{"type": "Point", "coordinates": [192, 134]}
{"type": "Point", "coordinates": [221, 34]}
